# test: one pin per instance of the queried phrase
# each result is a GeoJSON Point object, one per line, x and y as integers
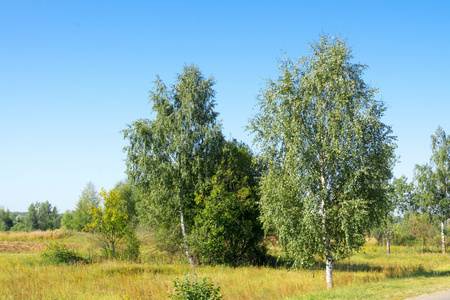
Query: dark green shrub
{"type": "Point", "coordinates": [417, 230]}
{"type": "Point", "coordinates": [227, 228]}
{"type": "Point", "coordinates": [132, 249]}
{"type": "Point", "coordinates": [195, 290]}
{"type": "Point", "coordinates": [18, 227]}
{"type": "Point", "coordinates": [59, 253]}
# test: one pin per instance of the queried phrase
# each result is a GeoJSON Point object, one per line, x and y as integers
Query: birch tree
{"type": "Point", "coordinates": [171, 156]}
{"type": "Point", "coordinates": [329, 155]}
{"type": "Point", "coordinates": [433, 181]}
{"type": "Point", "coordinates": [81, 216]}
{"type": "Point", "coordinates": [400, 201]}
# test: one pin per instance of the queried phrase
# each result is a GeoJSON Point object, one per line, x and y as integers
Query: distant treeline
{"type": "Point", "coordinates": [40, 216]}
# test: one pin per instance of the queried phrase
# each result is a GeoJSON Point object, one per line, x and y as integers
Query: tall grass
{"type": "Point", "coordinates": [35, 235]}
{"type": "Point", "coordinates": [27, 276]}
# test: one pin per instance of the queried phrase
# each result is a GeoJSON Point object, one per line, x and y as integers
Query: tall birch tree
{"type": "Point", "coordinates": [433, 181]}
{"type": "Point", "coordinates": [172, 156]}
{"type": "Point", "coordinates": [401, 201]}
{"type": "Point", "coordinates": [329, 155]}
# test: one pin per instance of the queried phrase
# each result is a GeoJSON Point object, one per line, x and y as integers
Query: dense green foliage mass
{"type": "Point", "coordinates": [194, 289]}
{"type": "Point", "coordinates": [7, 219]}
{"type": "Point", "coordinates": [227, 227]}
{"type": "Point", "coordinates": [112, 224]}
{"type": "Point", "coordinates": [170, 157]}
{"type": "Point", "coordinates": [77, 219]}
{"type": "Point", "coordinates": [173, 158]}
{"type": "Point", "coordinates": [42, 216]}
{"type": "Point", "coordinates": [329, 155]}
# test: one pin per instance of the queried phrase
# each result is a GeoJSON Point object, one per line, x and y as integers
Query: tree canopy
{"type": "Point", "coordinates": [173, 155]}
{"type": "Point", "coordinates": [329, 155]}
{"type": "Point", "coordinates": [227, 228]}
{"type": "Point", "coordinates": [433, 181]}
{"type": "Point", "coordinates": [42, 216]}
{"type": "Point", "coordinates": [111, 221]}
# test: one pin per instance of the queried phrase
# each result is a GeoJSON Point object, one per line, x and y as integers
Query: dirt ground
{"type": "Point", "coordinates": [21, 247]}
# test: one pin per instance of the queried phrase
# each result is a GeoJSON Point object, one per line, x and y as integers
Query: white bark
{"type": "Point", "coordinates": [443, 236]}
{"type": "Point", "coordinates": [326, 241]}
{"type": "Point", "coordinates": [329, 271]}
{"type": "Point", "coordinates": [388, 244]}
{"type": "Point", "coordinates": [183, 231]}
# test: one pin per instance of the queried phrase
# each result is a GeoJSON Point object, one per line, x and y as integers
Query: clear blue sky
{"type": "Point", "coordinates": [74, 73]}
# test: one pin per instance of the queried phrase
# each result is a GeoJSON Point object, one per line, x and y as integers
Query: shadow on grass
{"type": "Point", "coordinates": [390, 271]}
{"type": "Point", "coordinates": [282, 262]}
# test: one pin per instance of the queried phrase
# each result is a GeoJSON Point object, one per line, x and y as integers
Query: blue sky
{"type": "Point", "coordinates": [74, 73]}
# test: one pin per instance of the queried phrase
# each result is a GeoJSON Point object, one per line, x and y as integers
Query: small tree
{"type": "Point", "coordinates": [329, 155]}
{"type": "Point", "coordinates": [110, 222]}
{"type": "Point", "coordinates": [48, 218]}
{"type": "Point", "coordinates": [192, 289]}
{"type": "Point", "coordinates": [7, 219]}
{"type": "Point", "coordinates": [31, 218]}
{"type": "Point", "coordinates": [67, 220]}
{"type": "Point", "coordinates": [81, 216]}
{"type": "Point", "coordinates": [400, 201]}
{"type": "Point", "coordinates": [433, 181]}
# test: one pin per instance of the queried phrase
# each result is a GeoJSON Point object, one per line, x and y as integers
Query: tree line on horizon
{"type": "Point", "coordinates": [321, 182]}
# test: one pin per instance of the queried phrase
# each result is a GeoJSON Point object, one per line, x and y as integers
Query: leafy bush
{"type": "Point", "coordinates": [112, 226]}
{"type": "Point", "coordinates": [417, 230]}
{"type": "Point", "coordinates": [18, 227]}
{"type": "Point", "coordinates": [59, 253]}
{"type": "Point", "coordinates": [132, 249]}
{"type": "Point", "coordinates": [227, 228]}
{"type": "Point", "coordinates": [195, 290]}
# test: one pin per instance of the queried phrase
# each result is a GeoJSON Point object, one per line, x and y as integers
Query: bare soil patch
{"type": "Point", "coordinates": [21, 247]}
{"type": "Point", "coordinates": [28, 247]}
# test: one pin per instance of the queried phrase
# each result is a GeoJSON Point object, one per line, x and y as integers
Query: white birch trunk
{"type": "Point", "coordinates": [388, 244]}
{"type": "Point", "coordinates": [329, 271]}
{"type": "Point", "coordinates": [326, 241]}
{"type": "Point", "coordinates": [443, 236]}
{"type": "Point", "coordinates": [183, 231]}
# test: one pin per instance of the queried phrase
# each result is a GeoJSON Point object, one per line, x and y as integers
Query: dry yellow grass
{"type": "Point", "coordinates": [21, 247]}
{"type": "Point", "coordinates": [26, 276]}
{"type": "Point", "coordinates": [35, 235]}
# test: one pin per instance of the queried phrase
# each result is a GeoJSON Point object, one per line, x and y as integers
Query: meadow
{"type": "Point", "coordinates": [369, 274]}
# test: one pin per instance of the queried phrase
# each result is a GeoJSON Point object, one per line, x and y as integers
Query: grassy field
{"type": "Point", "coordinates": [370, 274]}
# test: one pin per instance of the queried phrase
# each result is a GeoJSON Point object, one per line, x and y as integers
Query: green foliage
{"type": "Point", "coordinates": [60, 253]}
{"type": "Point", "coordinates": [416, 230]}
{"type": "Point", "coordinates": [401, 204]}
{"type": "Point", "coordinates": [111, 224]}
{"type": "Point", "coordinates": [172, 156]}
{"type": "Point", "coordinates": [31, 218]}
{"type": "Point", "coordinates": [132, 248]}
{"type": "Point", "coordinates": [329, 155]}
{"type": "Point", "coordinates": [433, 180]}
{"type": "Point", "coordinates": [42, 216]}
{"type": "Point", "coordinates": [227, 227]}
{"type": "Point", "coordinates": [48, 218]}
{"type": "Point", "coordinates": [193, 289]}
{"type": "Point", "coordinates": [18, 227]}
{"type": "Point", "coordinates": [80, 217]}
{"type": "Point", "coordinates": [7, 219]}
{"type": "Point", "coordinates": [129, 195]}
{"type": "Point", "coordinates": [402, 197]}
{"type": "Point", "coordinates": [67, 220]}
